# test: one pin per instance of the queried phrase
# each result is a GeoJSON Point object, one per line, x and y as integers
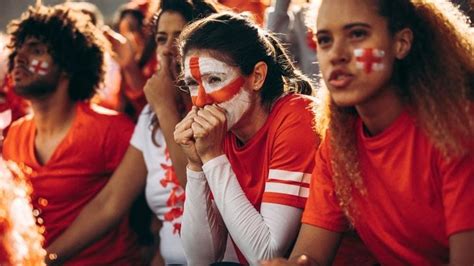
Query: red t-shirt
{"type": "Point", "coordinates": [78, 169]}
{"type": "Point", "coordinates": [415, 198]}
{"type": "Point", "coordinates": [275, 165]}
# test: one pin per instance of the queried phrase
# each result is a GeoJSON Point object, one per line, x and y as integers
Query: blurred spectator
{"type": "Point", "coordinates": [256, 7]}
{"type": "Point", "coordinates": [134, 53]}
{"type": "Point", "coordinates": [287, 19]}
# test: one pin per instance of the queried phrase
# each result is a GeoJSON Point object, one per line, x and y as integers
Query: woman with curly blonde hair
{"type": "Point", "coordinates": [397, 160]}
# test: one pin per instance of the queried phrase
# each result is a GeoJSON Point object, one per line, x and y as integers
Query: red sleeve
{"type": "Point", "coordinates": [322, 209]}
{"type": "Point", "coordinates": [292, 159]}
{"type": "Point", "coordinates": [117, 139]}
{"type": "Point", "coordinates": [458, 193]}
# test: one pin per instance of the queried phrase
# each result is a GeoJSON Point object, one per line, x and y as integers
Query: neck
{"type": "Point", "coordinates": [53, 112]}
{"type": "Point", "coordinates": [251, 123]}
{"type": "Point", "coordinates": [380, 111]}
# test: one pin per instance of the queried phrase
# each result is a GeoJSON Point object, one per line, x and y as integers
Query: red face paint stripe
{"type": "Point", "coordinates": [202, 98]}
{"type": "Point", "coordinates": [368, 59]}
{"type": "Point", "coordinates": [227, 92]}
{"type": "Point", "coordinates": [194, 67]}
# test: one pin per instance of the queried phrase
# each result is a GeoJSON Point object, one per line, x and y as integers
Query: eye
{"type": "Point", "coordinates": [161, 39]}
{"type": "Point", "coordinates": [358, 34]}
{"type": "Point", "coordinates": [213, 79]}
{"type": "Point", "coordinates": [38, 51]}
{"type": "Point", "coordinates": [323, 40]}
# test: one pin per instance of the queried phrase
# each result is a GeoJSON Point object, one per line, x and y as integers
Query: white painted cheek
{"type": "Point", "coordinates": [236, 107]}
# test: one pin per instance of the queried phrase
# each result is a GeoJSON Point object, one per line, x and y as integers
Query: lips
{"type": "Point", "coordinates": [340, 78]}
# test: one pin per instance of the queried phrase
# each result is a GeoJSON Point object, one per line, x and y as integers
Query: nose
{"type": "Point", "coordinates": [20, 57]}
{"type": "Point", "coordinates": [339, 53]}
{"type": "Point", "coordinates": [202, 98]}
{"type": "Point", "coordinates": [169, 48]}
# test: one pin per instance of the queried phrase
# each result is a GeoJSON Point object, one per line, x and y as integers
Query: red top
{"type": "Point", "coordinates": [275, 165]}
{"type": "Point", "coordinates": [415, 198]}
{"type": "Point", "coordinates": [78, 169]}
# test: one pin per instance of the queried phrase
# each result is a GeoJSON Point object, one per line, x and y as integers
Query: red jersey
{"type": "Point", "coordinates": [275, 165]}
{"type": "Point", "coordinates": [415, 197]}
{"type": "Point", "coordinates": [78, 169]}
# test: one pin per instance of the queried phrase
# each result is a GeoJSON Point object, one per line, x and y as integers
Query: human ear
{"type": "Point", "coordinates": [403, 43]}
{"type": "Point", "coordinates": [259, 75]}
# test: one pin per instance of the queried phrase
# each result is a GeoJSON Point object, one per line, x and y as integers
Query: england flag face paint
{"type": "Point", "coordinates": [212, 81]}
{"type": "Point", "coordinates": [369, 59]}
{"type": "Point", "coordinates": [39, 67]}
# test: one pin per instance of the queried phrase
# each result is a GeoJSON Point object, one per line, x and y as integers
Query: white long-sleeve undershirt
{"type": "Point", "coordinates": [259, 235]}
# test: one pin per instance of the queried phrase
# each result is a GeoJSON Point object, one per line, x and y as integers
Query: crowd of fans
{"type": "Point", "coordinates": [202, 132]}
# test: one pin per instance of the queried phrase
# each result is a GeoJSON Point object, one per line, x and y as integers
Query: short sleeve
{"type": "Point", "coordinates": [458, 193]}
{"type": "Point", "coordinates": [117, 140]}
{"type": "Point", "coordinates": [322, 209]}
{"type": "Point", "coordinates": [292, 159]}
{"type": "Point", "coordinates": [139, 133]}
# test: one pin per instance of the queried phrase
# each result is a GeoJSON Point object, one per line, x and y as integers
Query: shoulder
{"type": "Point", "coordinates": [294, 108]}
{"type": "Point", "coordinates": [103, 117]}
{"type": "Point", "coordinates": [21, 124]}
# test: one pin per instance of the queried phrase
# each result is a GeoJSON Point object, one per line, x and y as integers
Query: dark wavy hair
{"type": "Point", "coordinates": [240, 42]}
{"type": "Point", "coordinates": [73, 41]}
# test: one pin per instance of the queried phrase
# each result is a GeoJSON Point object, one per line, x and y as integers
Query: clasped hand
{"type": "Point", "coordinates": [201, 134]}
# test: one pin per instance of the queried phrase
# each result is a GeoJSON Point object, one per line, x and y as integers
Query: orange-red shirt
{"type": "Point", "coordinates": [78, 169]}
{"type": "Point", "coordinates": [415, 197]}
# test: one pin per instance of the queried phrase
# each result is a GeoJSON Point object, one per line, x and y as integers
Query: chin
{"type": "Point", "coordinates": [345, 101]}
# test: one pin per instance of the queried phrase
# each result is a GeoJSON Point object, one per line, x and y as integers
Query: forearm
{"type": "Point", "coordinates": [134, 77]}
{"type": "Point", "coordinates": [203, 233]}
{"type": "Point", "coordinates": [259, 235]}
{"type": "Point", "coordinates": [93, 222]}
{"type": "Point", "coordinates": [168, 117]}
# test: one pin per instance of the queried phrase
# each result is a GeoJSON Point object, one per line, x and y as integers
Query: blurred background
{"type": "Point", "coordinates": [11, 9]}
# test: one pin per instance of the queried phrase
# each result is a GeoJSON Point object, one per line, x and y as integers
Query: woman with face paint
{"type": "Point", "coordinates": [397, 161]}
{"type": "Point", "coordinates": [153, 161]}
{"type": "Point", "coordinates": [249, 142]}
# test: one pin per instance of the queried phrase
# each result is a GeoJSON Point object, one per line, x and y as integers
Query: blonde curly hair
{"type": "Point", "coordinates": [435, 81]}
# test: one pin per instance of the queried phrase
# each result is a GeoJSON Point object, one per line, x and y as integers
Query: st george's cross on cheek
{"type": "Point", "coordinates": [369, 59]}
{"type": "Point", "coordinates": [211, 81]}
{"type": "Point", "coordinates": [39, 67]}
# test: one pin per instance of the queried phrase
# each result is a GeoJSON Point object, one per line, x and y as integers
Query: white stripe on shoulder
{"type": "Point", "coordinates": [284, 175]}
{"type": "Point", "coordinates": [288, 189]}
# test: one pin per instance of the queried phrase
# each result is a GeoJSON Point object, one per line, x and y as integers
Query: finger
{"type": "Point", "coordinates": [212, 115]}
{"type": "Point", "coordinates": [192, 112]}
{"type": "Point", "coordinates": [204, 123]}
{"type": "Point", "coordinates": [114, 36]}
{"type": "Point", "coordinates": [184, 124]}
{"type": "Point", "coordinates": [198, 131]}
{"type": "Point", "coordinates": [217, 112]}
{"type": "Point", "coordinates": [184, 137]}
{"type": "Point", "coordinates": [303, 260]}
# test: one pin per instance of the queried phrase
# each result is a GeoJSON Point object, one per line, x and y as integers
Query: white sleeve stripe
{"type": "Point", "coordinates": [287, 189]}
{"type": "Point", "coordinates": [289, 176]}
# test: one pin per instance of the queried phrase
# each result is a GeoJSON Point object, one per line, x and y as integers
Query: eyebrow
{"type": "Point", "coordinates": [212, 72]}
{"type": "Point", "coordinates": [347, 27]}
{"type": "Point", "coordinates": [165, 33]}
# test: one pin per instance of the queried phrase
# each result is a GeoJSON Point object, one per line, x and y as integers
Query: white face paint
{"type": "Point", "coordinates": [369, 59]}
{"type": "Point", "coordinates": [236, 107]}
{"type": "Point", "coordinates": [213, 75]}
{"type": "Point", "coordinates": [212, 81]}
{"type": "Point", "coordinates": [39, 67]}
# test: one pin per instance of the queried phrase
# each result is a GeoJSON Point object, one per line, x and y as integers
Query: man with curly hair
{"type": "Point", "coordinates": [71, 146]}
